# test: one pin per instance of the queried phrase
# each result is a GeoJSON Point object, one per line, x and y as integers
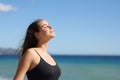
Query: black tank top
{"type": "Point", "coordinates": [44, 71]}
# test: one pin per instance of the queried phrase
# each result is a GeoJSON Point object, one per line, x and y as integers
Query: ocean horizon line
{"type": "Point", "coordinates": [69, 55]}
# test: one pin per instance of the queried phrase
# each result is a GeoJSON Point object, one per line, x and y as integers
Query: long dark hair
{"type": "Point", "coordinates": [30, 39]}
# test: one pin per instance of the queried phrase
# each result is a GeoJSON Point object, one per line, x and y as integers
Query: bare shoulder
{"type": "Point", "coordinates": [29, 53]}
{"type": "Point", "coordinates": [31, 56]}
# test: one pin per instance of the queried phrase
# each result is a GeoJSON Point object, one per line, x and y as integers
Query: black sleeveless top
{"type": "Point", "coordinates": [44, 71]}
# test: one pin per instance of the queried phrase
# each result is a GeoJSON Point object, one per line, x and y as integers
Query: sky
{"type": "Point", "coordinates": [83, 27]}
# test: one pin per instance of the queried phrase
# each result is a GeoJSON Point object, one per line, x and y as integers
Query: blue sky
{"type": "Point", "coordinates": [81, 26]}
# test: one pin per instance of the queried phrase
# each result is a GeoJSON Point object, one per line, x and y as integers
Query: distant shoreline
{"type": "Point", "coordinates": [8, 51]}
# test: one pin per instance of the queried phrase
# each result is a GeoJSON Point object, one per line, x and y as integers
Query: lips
{"type": "Point", "coordinates": [51, 31]}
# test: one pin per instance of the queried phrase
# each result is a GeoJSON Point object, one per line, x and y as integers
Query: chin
{"type": "Point", "coordinates": [52, 36]}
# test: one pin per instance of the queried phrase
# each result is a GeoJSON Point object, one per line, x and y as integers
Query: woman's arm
{"type": "Point", "coordinates": [23, 66]}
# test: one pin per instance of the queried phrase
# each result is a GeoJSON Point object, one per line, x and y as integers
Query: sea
{"type": "Point", "coordinates": [73, 67]}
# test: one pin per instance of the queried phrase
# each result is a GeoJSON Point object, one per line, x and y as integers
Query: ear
{"type": "Point", "coordinates": [36, 35]}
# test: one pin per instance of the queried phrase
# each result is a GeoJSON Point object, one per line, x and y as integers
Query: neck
{"type": "Point", "coordinates": [43, 45]}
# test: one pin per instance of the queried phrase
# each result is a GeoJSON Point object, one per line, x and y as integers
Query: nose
{"type": "Point", "coordinates": [50, 27]}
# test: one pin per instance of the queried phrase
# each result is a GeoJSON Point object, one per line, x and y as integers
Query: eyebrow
{"type": "Point", "coordinates": [44, 25]}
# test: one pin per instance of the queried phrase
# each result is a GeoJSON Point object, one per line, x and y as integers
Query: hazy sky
{"type": "Point", "coordinates": [81, 26]}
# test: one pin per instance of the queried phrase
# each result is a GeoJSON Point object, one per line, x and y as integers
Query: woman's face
{"type": "Point", "coordinates": [45, 30]}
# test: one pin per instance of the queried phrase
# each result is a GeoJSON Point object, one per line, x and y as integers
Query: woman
{"type": "Point", "coordinates": [35, 62]}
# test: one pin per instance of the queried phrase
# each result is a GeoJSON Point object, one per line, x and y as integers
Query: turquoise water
{"type": "Point", "coordinates": [72, 67]}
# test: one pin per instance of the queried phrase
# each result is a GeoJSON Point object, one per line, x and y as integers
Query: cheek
{"type": "Point", "coordinates": [39, 34]}
{"type": "Point", "coordinates": [43, 33]}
